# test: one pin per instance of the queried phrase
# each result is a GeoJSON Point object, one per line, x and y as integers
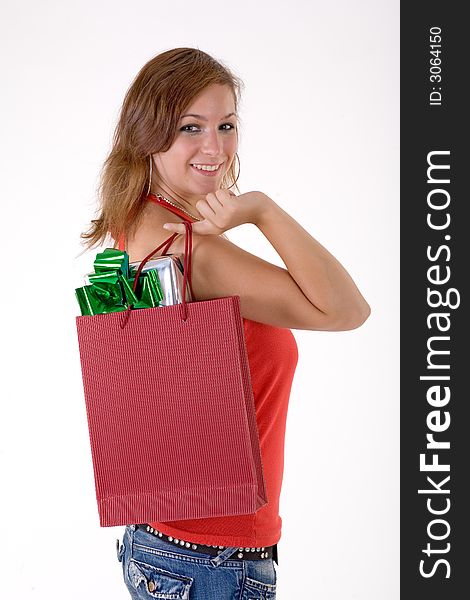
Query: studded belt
{"type": "Point", "coordinates": [266, 552]}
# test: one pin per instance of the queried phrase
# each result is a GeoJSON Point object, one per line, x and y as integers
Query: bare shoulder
{"type": "Point", "coordinates": [267, 292]}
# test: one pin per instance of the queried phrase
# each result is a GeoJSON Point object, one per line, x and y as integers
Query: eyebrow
{"type": "Point", "coordinates": [205, 119]}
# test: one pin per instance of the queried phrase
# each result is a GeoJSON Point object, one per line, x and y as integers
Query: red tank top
{"type": "Point", "coordinates": [272, 355]}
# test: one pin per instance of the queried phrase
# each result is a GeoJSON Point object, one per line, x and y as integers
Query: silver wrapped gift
{"type": "Point", "coordinates": [170, 273]}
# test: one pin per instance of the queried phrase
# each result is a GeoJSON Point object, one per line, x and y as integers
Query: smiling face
{"type": "Point", "coordinates": [204, 146]}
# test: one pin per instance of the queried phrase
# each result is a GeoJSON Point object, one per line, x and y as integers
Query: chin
{"type": "Point", "coordinates": [210, 186]}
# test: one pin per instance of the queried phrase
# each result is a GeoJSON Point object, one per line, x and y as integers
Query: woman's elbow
{"type": "Point", "coordinates": [358, 317]}
{"type": "Point", "coordinates": [351, 319]}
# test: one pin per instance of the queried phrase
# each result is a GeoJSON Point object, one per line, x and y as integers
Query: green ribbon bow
{"type": "Point", "coordinates": [111, 287]}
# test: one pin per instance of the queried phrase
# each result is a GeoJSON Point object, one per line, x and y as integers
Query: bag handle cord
{"type": "Point", "coordinates": [188, 244]}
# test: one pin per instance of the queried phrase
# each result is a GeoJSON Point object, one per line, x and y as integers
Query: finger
{"type": "Point", "coordinates": [215, 197]}
{"type": "Point", "coordinates": [175, 227]}
{"type": "Point", "coordinates": [205, 227]}
{"type": "Point", "coordinates": [214, 203]}
{"type": "Point", "coordinates": [205, 209]}
{"type": "Point", "coordinates": [222, 195]}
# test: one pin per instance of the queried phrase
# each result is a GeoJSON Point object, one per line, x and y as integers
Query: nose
{"type": "Point", "coordinates": [212, 143]}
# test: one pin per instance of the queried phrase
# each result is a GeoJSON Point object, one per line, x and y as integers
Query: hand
{"type": "Point", "coordinates": [222, 210]}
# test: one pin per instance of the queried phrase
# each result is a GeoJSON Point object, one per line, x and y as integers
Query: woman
{"type": "Point", "coordinates": [173, 158]}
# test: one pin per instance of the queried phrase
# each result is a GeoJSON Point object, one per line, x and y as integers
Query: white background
{"type": "Point", "coordinates": [320, 135]}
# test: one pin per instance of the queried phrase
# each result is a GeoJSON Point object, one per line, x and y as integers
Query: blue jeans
{"type": "Point", "coordinates": [155, 568]}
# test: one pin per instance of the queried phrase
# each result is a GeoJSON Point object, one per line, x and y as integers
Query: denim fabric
{"type": "Point", "coordinates": [155, 568]}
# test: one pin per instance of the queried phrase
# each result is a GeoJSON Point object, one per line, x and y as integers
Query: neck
{"type": "Point", "coordinates": [185, 203]}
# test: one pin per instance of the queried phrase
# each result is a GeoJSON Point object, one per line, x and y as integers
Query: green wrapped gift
{"type": "Point", "coordinates": [111, 286]}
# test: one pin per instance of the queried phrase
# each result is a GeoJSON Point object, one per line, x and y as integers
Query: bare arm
{"type": "Point", "coordinates": [315, 292]}
{"type": "Point", "coordinates": [320, 276]}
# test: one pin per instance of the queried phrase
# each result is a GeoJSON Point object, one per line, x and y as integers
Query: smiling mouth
{"type": "Point", "coordinates": [210, 168]}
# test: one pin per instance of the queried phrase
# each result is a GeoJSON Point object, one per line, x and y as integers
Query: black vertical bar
{"type": "Point", "coordinates": [434, 270]}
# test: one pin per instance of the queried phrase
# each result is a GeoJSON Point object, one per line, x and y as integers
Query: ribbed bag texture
{"type": "Point", "coordinates": [171, 413]}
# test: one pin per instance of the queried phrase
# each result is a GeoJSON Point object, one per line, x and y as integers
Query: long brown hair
{"type": "Point", "coordinates": [147, 124]}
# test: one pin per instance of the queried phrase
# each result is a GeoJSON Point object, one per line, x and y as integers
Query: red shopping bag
{"type": "Point", "coordinates": [170, 410]}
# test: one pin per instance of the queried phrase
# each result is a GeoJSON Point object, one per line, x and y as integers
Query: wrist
{"type": "Point", "coordinates": [266, 208]}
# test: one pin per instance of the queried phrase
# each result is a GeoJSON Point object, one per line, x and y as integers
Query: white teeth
{"type": "Point", "coordinates": [206, 167]}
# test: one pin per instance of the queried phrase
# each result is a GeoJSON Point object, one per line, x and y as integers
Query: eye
{"type": "Point", "coordinates": [230, 126]}
{"type": "Point", "coordinates": [187, 129]}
